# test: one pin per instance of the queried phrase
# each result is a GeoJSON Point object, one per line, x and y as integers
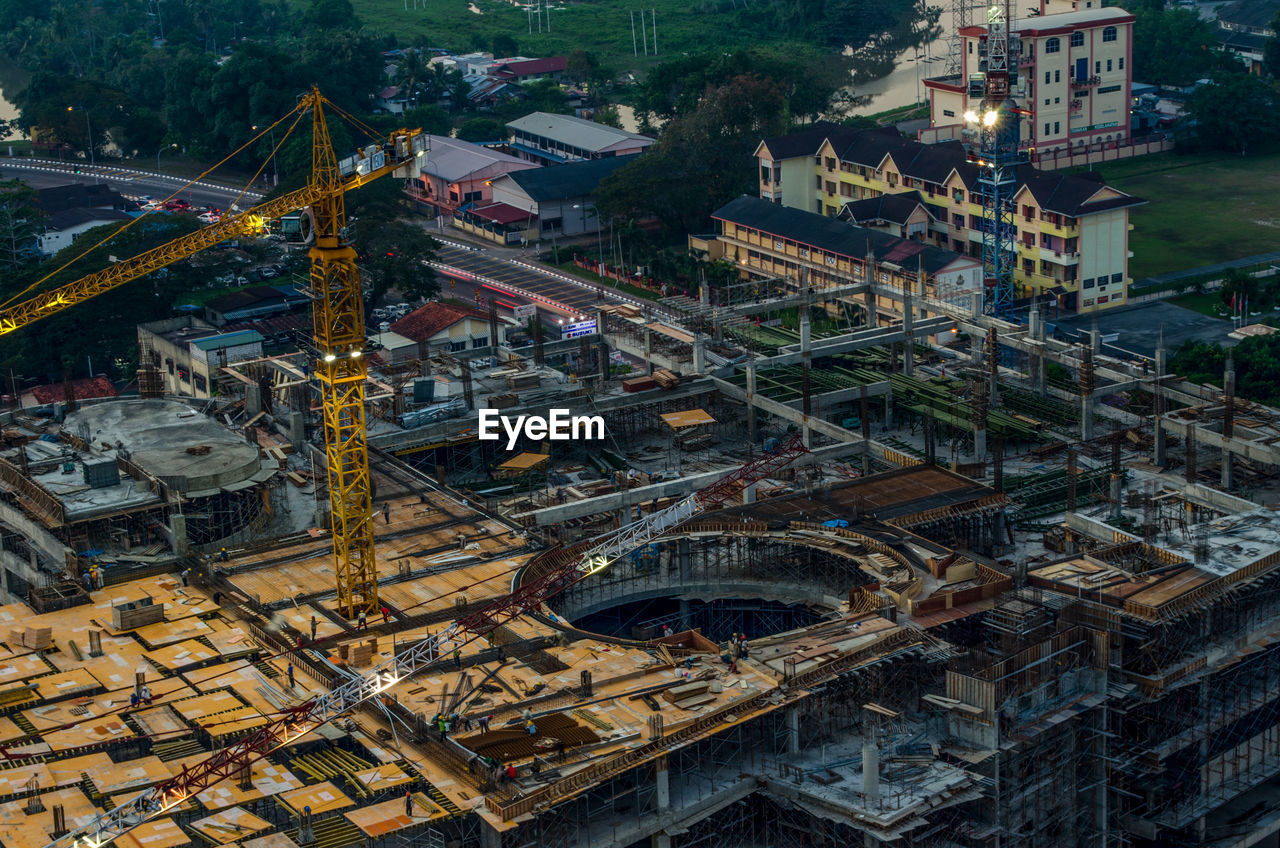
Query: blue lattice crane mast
{"type": "Point", "coordinates": [995, 146]}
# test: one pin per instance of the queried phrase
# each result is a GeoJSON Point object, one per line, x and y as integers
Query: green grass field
{"type": "Point", "coordinates": [1206, 304]}
{"type": "Point", "coordinates": [602, 28]}
{"type": "Point", "coordinates": [1201, 210]}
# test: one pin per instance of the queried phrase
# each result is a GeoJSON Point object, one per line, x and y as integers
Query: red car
{"type": "Point", "coordinates": [176, 205]}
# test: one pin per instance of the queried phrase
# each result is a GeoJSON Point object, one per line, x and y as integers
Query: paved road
{"type": "Point", "coordinates": [46, 173]}
{"type": "Point", "coordinates": [512, 276]}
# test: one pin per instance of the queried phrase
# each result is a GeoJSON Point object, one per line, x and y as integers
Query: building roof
{"type": "Point", "coordinates": [834, 236]}
{"type": "Point", "coordinates": [66, 219]}
{"type": "Point", "coordinates": [1253, 14]}
{"type": "Point", "coordinates": [502, 213]}
{"type": "Point", "coordinates": [79, 196]}
{"type": "Point", "coordinates": [1080, 19]}
{"type": "Point", "coordinates": [1066, 194]}
{"type": "Point", "coordinates": [577, 132]}
{"type": "Point", "coordinates": [896, 208]}
{"type": "Point", "coordinates": [806, 142]}
{"type": "Point", "coordinates": [238, 338]}
{"type": "Point", "coordinates": [84, 389]}
{"type": "Point", "coordinates": [255, 295]}
{"type": "Point", "coordinates": [425, 321]}
{"type": "Point", "coordinates": [550, 65]}
{"type": "Point", "coordinates": [1251, 42]}
{"type": "Point", "coordinates": [453, 160]}
{"type": "Point", "coordinates": [573, 179]}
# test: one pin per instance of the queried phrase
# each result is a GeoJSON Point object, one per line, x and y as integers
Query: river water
{"type": "Point", "coordinates": [12, 80]}
{"type": "Point", "coordinates": [905, 85]}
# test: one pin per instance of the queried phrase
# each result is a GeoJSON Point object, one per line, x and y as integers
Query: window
{"type": "Point", "coordinates": [1088, 283]}
{"type": "Point", "coordinates": [457, 346]}
{"type": "Point", "coordinates": [893, 178]}
{"type": "Point", "coordinates": [1122, 63]}
{"type": "Point", "coordinates": [831, 213]}
{"type": "Point", "coordinates": [1053, 45]}
{"type": "Point", "coordinates": [1077, 39]}
{"type": "Point", "coordinates": [1046, 101]}
{"type": "Point", "coordinates": [1028, 266]}
{"type": "Point", "coordinates": [1046, 129]}
{"type": "Point", "coordinates": [1047, 78]}
{"type": "Point", "coordinates": [1109, 34]}
{"type": "Point", "coordinates": [957, 195]}
{"type": "Point", "coordinates": [765, 173]}
{"type": "Point", "coordinates": [1057, 76]}
{"type": "Point", "coordinates": [957, 220]}
{"type": "Point", "coordinates": [970, 48]}
{"type": "Point", "coordinates": [1057, 127]}
{"type": "Point", "coordinates": [201, 384]}
{"type": "Point", "coordinates": [846, 167]}
{"type": "Point", "coordinates": [1097, 67]}
{"type": "Point", "coordinates": [1083, 94]}
{"type": "Point", "coordinates": [1044, 240]}
{"type": "Point", "coordinates": [1115, 278]}
{"type": "Point", "coordinates": [1088, 302]}
{"type": "Point", "coordinates": [817, 183]}
{"type": "Point", "coordinates": [950, 113]}
{"type": "Point", "coordinates": [975, 222]}
{"type": "Point", "coordinates": [472, 196]}
{"type": "Point", "coordinates": [551, 224]}
{"type": "Point", "coordinates": [959, 247]}
{"type": "Point", "coordinates": [1057, 100]}
{"type": "Point", "coordinates": [1108, 66]}
{"type": "Point", "coordinates": [846, 190]}
{"type": "Point", "coordinates": [831, 164]}
{"type": "Point", "coordinates": [830, 187]}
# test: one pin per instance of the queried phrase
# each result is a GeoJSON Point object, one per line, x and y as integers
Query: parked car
{"type": "Point", "coordinates": [209, 217]}
{"type": "Point", "coordinates": [176, 205]}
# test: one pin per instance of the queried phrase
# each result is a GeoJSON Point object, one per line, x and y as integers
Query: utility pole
{"type": "Point", "coordinates": [655, 31]}
{"type": "Point", "coordinates": [644, 36]}
{"type": "Point", "coordinates": [635, 51]}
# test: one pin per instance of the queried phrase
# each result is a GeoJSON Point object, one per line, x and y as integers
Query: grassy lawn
{"type": "Point", "coordinates": [1205, 304]}
{"type": "Point", "coordinates": [602, 27]}
{"type": "Point", "coordinates": [1201, 210]}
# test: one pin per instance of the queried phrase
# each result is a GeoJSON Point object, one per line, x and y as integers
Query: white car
{"type": "Point", "coordinates": [209, 217]}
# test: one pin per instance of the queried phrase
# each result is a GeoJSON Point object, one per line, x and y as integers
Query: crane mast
{"type": "Point", "coordinates": [338, 316]}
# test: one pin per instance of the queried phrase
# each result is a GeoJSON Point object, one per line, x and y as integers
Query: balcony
{"type": "Point", "coordinates": [1026, 61]}
{"type": "Point", "coordinates": [1087, 82]}
{"type": "Point", "coordinates": [1059, 257]}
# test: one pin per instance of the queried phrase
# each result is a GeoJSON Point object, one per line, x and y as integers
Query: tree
{"type": "Point", "coordinates": [331, 14]}
{"type": "Point", "coordinates": [21, 225]}
{"type": "Point", "coordinates": [1271, 51]}
{"type": "Point", "coordinates": [1236, 112]}
{"type": "Point", "coordinates": [482, 129]}
{"type": "Point", "coordinates": [393, 253]}
{"type": "Point", "coordinates": [702, 160]}
{"type": "Point", "coordinates": [1171, 46]}
{"type": "Point", "coordinates": [504, 46]}
{"type": "Point", "coordinates": [580, 66]}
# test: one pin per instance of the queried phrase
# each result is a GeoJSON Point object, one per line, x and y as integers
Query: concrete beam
{"type": "Point", "coordinates": [666, 489]}
{"type": "Point", "coordinates": [1256, 451]}
{"type": "Point", "coordinates": [857, 340]}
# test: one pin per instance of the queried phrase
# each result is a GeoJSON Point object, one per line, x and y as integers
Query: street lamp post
{"type": "Point", "coordinates": [162, 150]}
{"type": "Point", "coordinates": [275, 168]}
{"type": "Point", "coordinates": [89, 128]}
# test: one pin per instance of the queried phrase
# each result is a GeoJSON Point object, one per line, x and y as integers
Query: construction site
{"type": "Point", "coordinates": [857, 564]}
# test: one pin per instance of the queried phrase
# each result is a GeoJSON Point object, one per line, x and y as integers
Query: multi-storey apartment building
{"type": "Point", "coordinates": [1072, 229]}
{"type": "Point", "coordinates": [1075, 72]}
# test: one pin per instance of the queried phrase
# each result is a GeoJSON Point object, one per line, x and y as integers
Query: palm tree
{"type": "Point", "coordinates": [411, 72]}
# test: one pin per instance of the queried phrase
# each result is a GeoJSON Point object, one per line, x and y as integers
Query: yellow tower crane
{"type": "Point", "coordinates": [338, 313]}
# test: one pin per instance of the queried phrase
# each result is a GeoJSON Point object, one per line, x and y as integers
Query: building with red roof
{"type": "Point", "coordinates": [88, 388]}
{"type": "Point", "coordinates": [444, 328]}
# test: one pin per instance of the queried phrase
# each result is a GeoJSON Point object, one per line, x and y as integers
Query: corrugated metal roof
{"type": "Point", "coordinates": [236, 339]}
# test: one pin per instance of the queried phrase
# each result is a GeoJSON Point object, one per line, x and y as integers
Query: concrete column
{"type": "Point", "coordinates": [1095, 341]}
{"type": "Point", "coordinates": [749, 494]}
{"type": "Point", "coordinates": [648, 351]}
{"type": "Point", "coordinates": [252, 400]}
{"type": "Point", "coordinates": [684, 561]}
{"type": "Point", "coordinates": [661, 840]}
{"type": "Point", "coordinates": [979, 444]}
{"type": "Point", "coordinates": [793, 731]}
{"type": "Point", "coordinates": [178, 526]}
{"type": "Point", "coordinates": [699, 355]}
{"type": "Point", "coordinates": [1117, 483]}
{"type": "Point", "coordinates": [662, 784]}
{"type": "Point", "coordinates": [805, 329]}
{"type": "Point", "coordinates": [909, 345]}
{"type": "Point", "coordinates": [489, 838]}
{"type": "Point", "coordinates": [1157, 447]}
{"type": "Point", "coordinates": [297, 429]}
{"type": "Point", "coordinates": [1086, 417]}
{"type": "Point", "coordinates": [870, 302]}
{"type": "Point", "coordinates": [751, 410]}
{"type": "Point", "coordinates": [871, 771]}
{"type": "Point", "coordinates": [888, 410]}
{"type": "Point", "coordinates": [977, 345]}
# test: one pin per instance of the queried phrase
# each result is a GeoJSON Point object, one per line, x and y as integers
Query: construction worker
{"type": "Point", "coordinates": [222, 555]}
{"type": "Point", "coordinates": [386, 512]}
{"type": "Point", "coordinates": [386, 614]}
{"type": "Point", "coordinates": [145, 694]}
{"type": "Point", "coordinates": [315, 625]}
{"type": "Point", "coordinates": [457, 657]}
{"type": "Point", "coordinates": [362, 622]}
{"type": "Point", "coordinates": [511, 771]}
{"type": "Point", "coordinates": [531, 728]}
{"type": "Point", "coordinates": [186, 573]}
{"type": "Point", "coordinates": [408, 804]}
{"type": "Point", "coordinates": [484, 723]}
{"type": "Point", "coordinates": [290, 674]}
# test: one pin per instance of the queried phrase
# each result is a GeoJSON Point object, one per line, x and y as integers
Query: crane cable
{"type": "Point", "coordinates": [117, 232]}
